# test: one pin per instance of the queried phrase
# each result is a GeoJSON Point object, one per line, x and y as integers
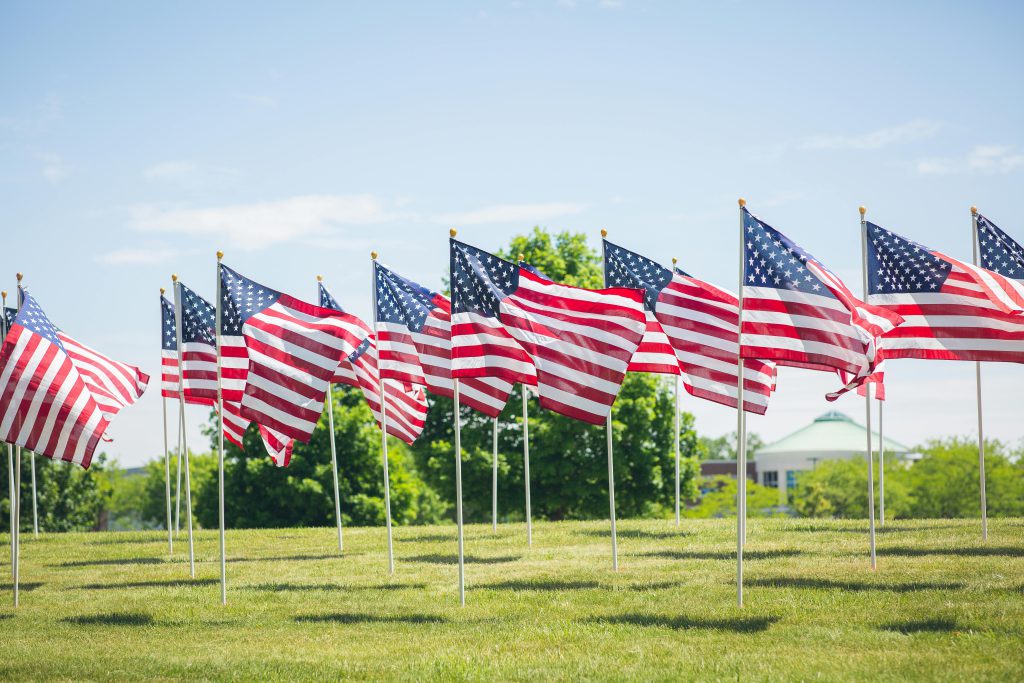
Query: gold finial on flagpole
{"type": "Point", "coordinates": [743, 202]}
{"type": "Point", "coordinates": [674, 261]}
{"type": "Point", "coordinates": [863, 210]}
{"type": "Point", "coordinates": [174, 277]}
{"type": "Point", "coordinates": [220, 255]}
{"type": "Point", "coordinates": [162, 290]}
{"type": "Point", "coordinates": [20, 276]}
{"type": "Point", "coordinates": [521, 256]}
{"type": "Point", "coordinates": [604, 233]}
{"type": "Point", "coordinates": [319, 278]}
{"type": "Point", "coordinates": [974, 211]}
{"type": "Point", "coordinates": [4, 295]}
{"type": "Point", "coordinates": [452, 232]}
{"type": "Point", "coordinates": [373, 255]}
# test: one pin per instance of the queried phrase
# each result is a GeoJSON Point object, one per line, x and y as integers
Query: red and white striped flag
{"type": "Point", "coordinates": [199, 351]}
{"type": "Point", "coordinates": [797, 313]}
{"type": "Point", "coordinates": [57, 395]}
{"type": "Point", "coordinates": [953, 310]}
{"type": "Point", "coordinates": [414, 328]}
{"type": "Point", "coordinates": [574, 344]}
{"type": "Point", "coordinates": [699, 324]}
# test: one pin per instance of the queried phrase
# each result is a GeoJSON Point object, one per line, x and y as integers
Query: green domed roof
{"type": "Point", "coordinates": [833, 431]}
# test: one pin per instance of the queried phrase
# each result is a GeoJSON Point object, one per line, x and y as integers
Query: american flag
{"type": "Point", "coordinates": [293, 350]}
{"type": "Point", "coordinates": [953, 310]}
{"type": "Point", "coordinates": [574, 344]}
{"type": "Point", "coordinates": [55, 400]}
{"type": "Point", "coordinates": [199, 350]}
{"type": "Point", "coordinates": [699, 324]}
{"type": "Point", "coordinates": [797, 313]}
{"type": "Point", "coordinates": [414, 330]}
{"type": "Point", "coordinates": [406, 404]}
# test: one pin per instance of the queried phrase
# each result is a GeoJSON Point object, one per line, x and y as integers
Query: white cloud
{"type": "Point", "coordinates": [877, 139]}
{"type": "Point", "coordinates": [188, 173]}
{"type": "Point", "coordinates": [511, 213]}
{"type": "Point", "coordinates": [138, 256]}
{"type": "Point", "coordinates": [264, 224]}
{"type": "Point", "coordinates": [55, 169]}
{"type": "Point", "coordinates": [984, 159]}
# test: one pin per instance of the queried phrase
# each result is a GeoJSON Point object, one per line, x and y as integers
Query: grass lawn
{"type": "Point", "coordinates": [942, 605]}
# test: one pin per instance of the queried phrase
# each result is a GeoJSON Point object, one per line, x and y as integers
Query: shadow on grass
{"type": "Point", "coordinates": [357, 618]}
{"type": "Point", "coordinates": [309, 587]}
{"type": "Point", "coordinates": [23, 586]}
{"type": "Point", "coordinates": [633, 533]}
{"type": "Point", "coordinates": [828, 584]}
{"type": "Point", "coordinates": [540, 585]}
{"type": "Point", "coordinates": [722, 555]}
{"type": "Point", "coordinates": [126, 541]}
{"type": "Point", "coordinates": [112, 619]}
{"type": "Point", "coordinates": [427, 538]}
{"type": "Point", "coordinates": [736, 624]}
{"type": "Point", "coordinates": [171, 583]}
{"type": "Point", "coordinates": [438, 558]}
{"type": "Point", "coordinates": [656, 585]}
{"type": "Point", "coordinates": [104, 563]}
{"type": "Point", "coordinates": [291, 558]}
{"type": "Point", "coordinates": [933, 625]}
{"type": "Point", "coordinates": [980, 551]}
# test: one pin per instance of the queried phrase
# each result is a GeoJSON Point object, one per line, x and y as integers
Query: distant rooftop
{"type": "Point", "coordinates": [833, 431]}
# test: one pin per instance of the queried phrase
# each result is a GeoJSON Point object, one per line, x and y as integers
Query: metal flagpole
{"type": "Point", "coordinates": [17, 522]}
{"type": "Point", "coordinates": [977, 382]}
{"type": "Point", "coordinates": [10, 448]}
{"type": "Point", "coordinates": [494, 476]}
{"type": "Point", "coordinates": [334, 453]}
{"type": "Point", "coordinates": [526, 469]}
{"type": "Point", "coordinates": [741, 428]}
{"type": "Point", "coordinates": [167, 462]}
{"type": "Point", "coordinates": [608, 433]}
{"type": "Point", "coordinates": [181, 424]}
{"type": "Point", "coordinates": [678, 380]}
{"type": "Point", "coordinates": [384, 436]}
{"type": "Point", "coordinates": [867, 397]}
{"type": "Point", "coordinates": [177, 487]}
{"type": "Point", "coordinates": [526, 459]}
{"type": "Point", "coordinates": [458, 482]}
{"type": "Point", "coordinates": [881, 464]}
{"type": "Point", "coordinates": [220, 442]}
{"type": "Point", "coordinates": [35, 508]}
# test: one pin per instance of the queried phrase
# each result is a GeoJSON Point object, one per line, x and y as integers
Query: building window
{"type": "Point", "coordinates": [770, 479]}
{"type": "Point", "coordinates": [791, 479]}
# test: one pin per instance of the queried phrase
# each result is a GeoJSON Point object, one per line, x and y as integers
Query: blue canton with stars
{"type": "Point", "coordinates": [898, 265]}
{"type": "Point", "coordinates": [9, 315]}
{"type": "Point", "coordinates": [401, 301]}
{"type": "Point", "coordinates": [32, 318]}
{"type": "Point", "coordinates": [1000, 253]}
{"type": "Point", "coordinates": [198, 318]}
{"type": "Point", "coordinates": [624, 268]}
{"type": "Point", "coordinates": [327, 300]}
{"type": "Point", "coordinates": [480, 281]}
{"type": "Point", "coordinates": [241, 299]}
{"type": "Point", "coordinates": [772, 260]}
{"type": "Point", "coordinates": [533, 269]}
{"type": "Point", "coordinates": [168, 328]}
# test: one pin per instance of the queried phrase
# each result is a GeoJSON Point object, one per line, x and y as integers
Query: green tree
{"type": "Point", "coordinates": [724, 447]}
{"type": "Point", "coordinates": [839, 488]}
{"type": "Point", "coordinates": [720, 500]}
{"type": "Point", "coordinates": [259, 494]}
{"type": "Point", "coordinates": [568, 458]}
{"type": "Point", "coordinates": [946, 480]}
{"type": "Point", "coordinates": [69, 498]}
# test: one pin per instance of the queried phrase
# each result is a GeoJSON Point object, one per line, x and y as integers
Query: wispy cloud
{"type": "Point", "coordinates": [188, 173]}
{"type": "Point", "coordinates": [984, 159]}
{"type": "Point", "coordinates": [138, 256]}
{"type": "Point", "coordinates": [263, 224]}
{"type": "Point", "coordinates": [511, 213]}
{"type": "Point", "coordinates": [54, 168]}
{"type": "Point", "coordinates": [876, 139]}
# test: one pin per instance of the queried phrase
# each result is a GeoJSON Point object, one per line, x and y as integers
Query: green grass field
{"type": "Point", "coordinates": [942, 605]}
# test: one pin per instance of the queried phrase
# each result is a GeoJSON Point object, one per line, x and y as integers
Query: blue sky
{"type": "Point", "coordinates": [138, 138]}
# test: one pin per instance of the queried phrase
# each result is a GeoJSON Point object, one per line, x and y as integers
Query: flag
{"type": "Point", "coordinates": [797, 313]}
{"type": "Point", "coordinates": [293, 349]}
{"type": "Point", "coordinates": [49, 406]}
{"type": "Point", "coordinates": [199, 352]}
{"type": "Point", "coordinates": [574, 344]}
{"type": "Point", "coordinates": [699, 323]}
{"type": "Point", "coordinates": [999, 252]}
{"type": "Point", "coordinates": [168, 350]}
{"type": "Point", "coordinates": [414, 335]}
{"type": "Point", "coordinates": [406, 404]}
{"type": "Point", "coordinates": [953, 310]}
{"type": "Point", "coordinates": [113, 384]}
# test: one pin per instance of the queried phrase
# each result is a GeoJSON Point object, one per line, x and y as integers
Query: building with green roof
{"type": "Point", "coordinates": [833, 436]}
